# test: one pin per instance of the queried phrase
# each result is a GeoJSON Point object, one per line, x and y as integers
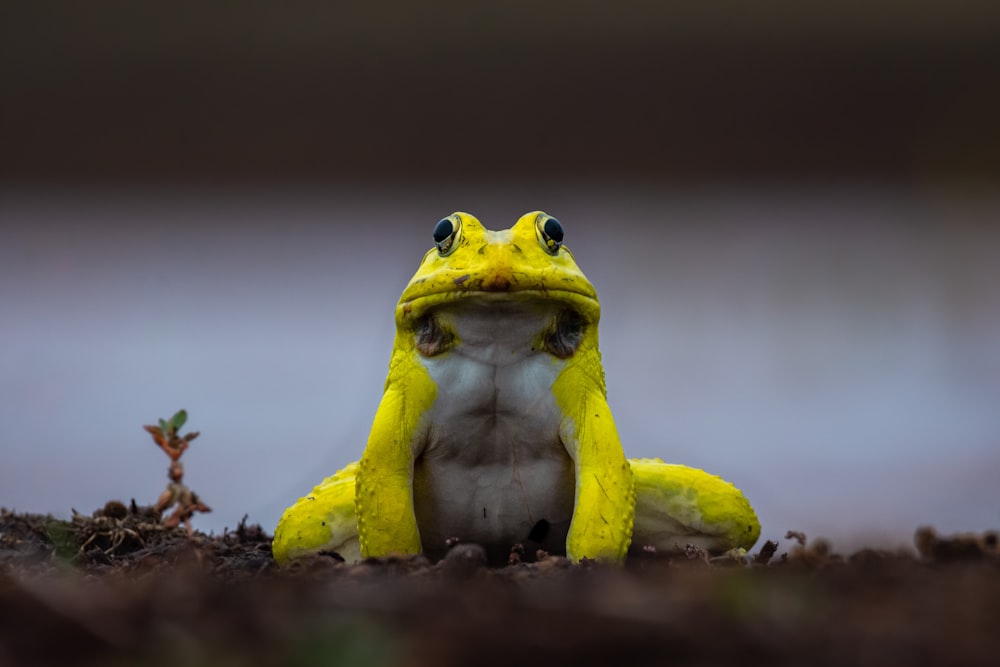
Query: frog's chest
{"type": "Point", "coordinates": [492, 467]}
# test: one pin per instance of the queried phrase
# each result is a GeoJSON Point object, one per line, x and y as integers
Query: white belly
{"type": "Point", "coordinates": [492, 468]}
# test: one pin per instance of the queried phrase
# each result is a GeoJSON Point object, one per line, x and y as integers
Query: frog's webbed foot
{"type": "Point", "coordinates": [677, 505]}
{"type": "Point", "coordinates": [323, 521]}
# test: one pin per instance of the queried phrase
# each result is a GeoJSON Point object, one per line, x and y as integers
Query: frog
{"type": "Point", "coordinates": [494, 427]}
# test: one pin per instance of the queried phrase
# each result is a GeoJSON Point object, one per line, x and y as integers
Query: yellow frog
{"type": "Point", "coordinates": [494, 427]}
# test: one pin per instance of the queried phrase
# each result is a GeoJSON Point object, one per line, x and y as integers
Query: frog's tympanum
{"type": "Point", "coordinates": [494, 427]}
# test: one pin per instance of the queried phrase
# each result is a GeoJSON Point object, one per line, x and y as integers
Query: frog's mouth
{"type": "Point", "coordinates": [586, 305]}
{"type": "Point", "coordinates": [500, 283]}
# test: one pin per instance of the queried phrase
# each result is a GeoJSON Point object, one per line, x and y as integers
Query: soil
{"type": "Point", "coordinates": [117, 588]}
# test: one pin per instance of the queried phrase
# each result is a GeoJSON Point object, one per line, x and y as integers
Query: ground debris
{"type": "Point", "coordinates": [766, 553]}
{"type": "Point", "coordinates": [798, 536]}
{"type": "Point", "coordinates": [134, 592]}
{"type": "Point", "coordinates": [696, 553]}
{"type": "Point", "coordinates": [956, 548]}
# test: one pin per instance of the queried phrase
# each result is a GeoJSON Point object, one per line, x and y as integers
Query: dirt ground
{"type": "Point", "coordinates": [116, 588]}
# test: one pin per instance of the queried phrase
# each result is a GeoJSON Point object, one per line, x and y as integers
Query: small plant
{"type": "Point", "coordinates": [167, 436]}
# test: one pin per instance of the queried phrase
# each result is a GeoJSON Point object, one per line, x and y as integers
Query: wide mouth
{"type": "Point", "coordinates": [585, 304]}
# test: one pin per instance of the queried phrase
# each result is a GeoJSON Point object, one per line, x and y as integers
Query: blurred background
{"type": "Point", "coordinates": [790, 214]}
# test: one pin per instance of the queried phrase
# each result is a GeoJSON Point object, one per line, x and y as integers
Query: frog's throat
{"type": "Point", "coordinates": [410, 312]}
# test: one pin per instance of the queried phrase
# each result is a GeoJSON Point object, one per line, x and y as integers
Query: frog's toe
{"type": "Point", "coordinates": [323, 521]}
{"type": "Point", "coordinates": [677, 505]}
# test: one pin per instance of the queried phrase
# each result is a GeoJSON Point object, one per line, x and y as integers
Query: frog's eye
{"type": "Point", "coordinates": [446, 234]}
{"type": "Point", "coordinates": [550, 233]}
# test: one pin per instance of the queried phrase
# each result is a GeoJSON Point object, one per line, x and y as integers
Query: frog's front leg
{"type": "Point", "coordinates": [384, 496]}
{"type": "Point", "coordinates": [604, 506]}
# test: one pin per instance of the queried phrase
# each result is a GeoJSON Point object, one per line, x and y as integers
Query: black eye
{"type": "Point", "coordinates": [553, 230]}
{"type": "Point", "coordinates": [442, 230]}
{"type": "Point", "coordinates": [550, 233]}
{"type": "Point", "coordinates": [446, 234]}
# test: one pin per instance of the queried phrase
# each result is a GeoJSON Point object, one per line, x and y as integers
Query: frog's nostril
{"type": "Point", "coordinates": [498, 283]}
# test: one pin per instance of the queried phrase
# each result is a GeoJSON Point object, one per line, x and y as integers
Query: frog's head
{"type": "Point", "coordinates": [527, 263]}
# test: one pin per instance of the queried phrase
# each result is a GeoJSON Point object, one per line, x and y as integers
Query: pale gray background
{"type": "Point", "coordinates": [834, 352]}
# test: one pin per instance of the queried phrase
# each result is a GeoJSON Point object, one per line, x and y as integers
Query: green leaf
{"type": "Point", "coordinates": [164, 426]}
{"type": "Point", "coordinates": [62, 537]}
{"type": "Point", "coordinates": [178, 420]}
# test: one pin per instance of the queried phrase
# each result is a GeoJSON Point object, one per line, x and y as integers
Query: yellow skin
{"type": "Point", "coordinates": [495, 416]}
